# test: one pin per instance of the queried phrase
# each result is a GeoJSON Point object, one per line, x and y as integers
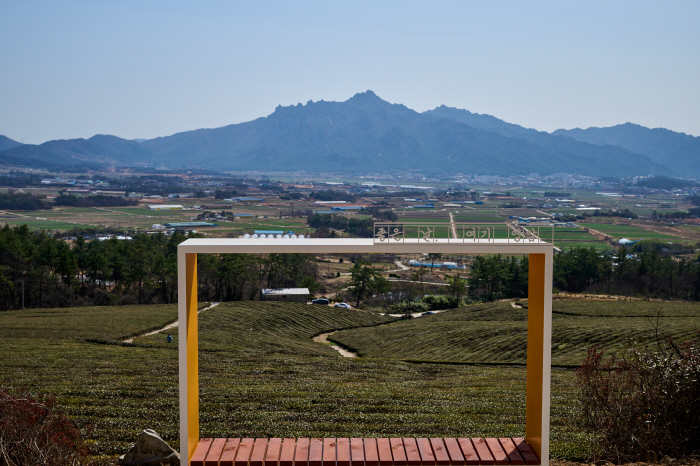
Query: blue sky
{"type": "Point", "coordinates": [148, 69]}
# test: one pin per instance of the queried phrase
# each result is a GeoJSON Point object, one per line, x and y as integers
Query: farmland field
{"type": "Point", "coordinates": [497, 333]}
{"type": "Point", "coordinates": [628, 231]}
{"type": "Point", "coordinates": [66, 218]}
{"type": "Point", "coordinates": [478, 216]}
{"type": "Point", "coordinates": [273, 328]}
{"type": "Point", "coordinates": [596, 244]}
{"type": "Point", "coordinates": [570, 233]}
{"type": "Point", "coordinates": [577, 238]}
{"type": "Point", "coordinates": [260, 376]}
{"type": "Point", "coordinates": [631, 308]}
{"type": "Point", "coordinates": [100, 322]}
{"type": "Point", "coordinates": [566, 238]}
{"type": "Point", "coordinates": [36, 224]}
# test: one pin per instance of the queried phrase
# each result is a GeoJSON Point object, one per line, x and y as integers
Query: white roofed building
{"type": "Point", "coordinates": [165, 207]}
{"type": "Point", "coordinates": [295, 295]}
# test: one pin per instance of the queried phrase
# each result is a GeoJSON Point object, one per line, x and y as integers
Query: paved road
{"type": "Point", "coordinates": [400, 265]}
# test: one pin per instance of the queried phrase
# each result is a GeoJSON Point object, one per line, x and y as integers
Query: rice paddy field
{"type": "Point", "coordinates": [65, 218]}
{"type": "Point", "coordinates": [627, 231]}
{"type": "Point", "coordinates": [44, 224]}
{"type": "Point", "coordinates": [139, 217]}
{"type": "Point", "coordinates": [480, 215]}
{"type": "Point", "coordinates": [423, 215]}
{"type": "Point", "coordinates": [567, 238]}
{"type": "Point", "coordinates": [266, 216]}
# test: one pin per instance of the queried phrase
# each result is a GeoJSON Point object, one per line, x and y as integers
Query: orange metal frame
{"type": "Point", "coordinates": [538, 339]}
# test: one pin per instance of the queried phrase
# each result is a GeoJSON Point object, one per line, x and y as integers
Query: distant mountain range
{"type": "Point", "coordinates": [366, 134]}
{"type": "Point", "coordinates": [679, 151]}
{"type": "Point", "coordinates": [7, 143]}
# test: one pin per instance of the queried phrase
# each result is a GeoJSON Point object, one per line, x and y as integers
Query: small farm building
{"type": "Point", "coordinates": [165, 207]}
{"type": "Point", "coordinates": [188, 225]}
{"type": "Point", "coordinates": [295, 295]}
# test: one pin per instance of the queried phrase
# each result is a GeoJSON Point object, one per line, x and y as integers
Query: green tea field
{"type": "Point", "coordinates": [260, 376]}
{"type": "Point", "coordinates": [497, 333]}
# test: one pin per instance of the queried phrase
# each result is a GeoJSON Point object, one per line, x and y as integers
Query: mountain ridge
{"type": "Point", "coordinates": [368, 134]}
{"type": "Point", "coordinates": [363, 134]}
{"type": "Point", "coordinates": [96, 152]}
{"type": "Point", "coordinates": [7, 143]}
{"type": "Point", "coordinates": [680, 150]}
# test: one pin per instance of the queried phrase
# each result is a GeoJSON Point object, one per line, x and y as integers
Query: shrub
{"type": "Point", "coordinates": [401, 308]}
{"type": "Point", "coordinates": [34, 431]}
{"type": "Point", "coordinates": [643, 402]}
{"type": "Point", "coordinates": [441, 302]}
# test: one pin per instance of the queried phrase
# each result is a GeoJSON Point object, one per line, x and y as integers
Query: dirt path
{"type": "Point", "coordinates": [167, 327]}
{"type": "Point", "coordinates": [452, 225]}
{"type": "Point", "coordinates": [45, 219]}
{"type": "Point", "coordinates": [128, 214]}
{"type": "Point", "coordinates": [323, 338]}
{"type": "Point", "coordinates": [415, 315]}
{"type": "Point", "coordinates": [401, 266]}
{"type": "Point", "coordinates": [600, 235]}
{"type": "Point", "coordinates": [417, 281]}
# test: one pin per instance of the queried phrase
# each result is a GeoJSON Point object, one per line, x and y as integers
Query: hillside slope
{"type": "Point", "coordinates": [497, 333]}
{"type": "Point", "coordinates": [98, 151]}
{"type": "Point", "coordinates": [255, 328]}
{"type": "Point", "coordinates": [7, 143]}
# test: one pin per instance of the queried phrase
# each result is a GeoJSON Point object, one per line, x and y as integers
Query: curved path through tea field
{"type": "Point", "coordinates": [323, 338]}
{"type": "Point", "coordinates": [167, 327]}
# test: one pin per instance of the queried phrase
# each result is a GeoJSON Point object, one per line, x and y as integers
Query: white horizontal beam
{"type": "Point", "coordinates": [359, 246]}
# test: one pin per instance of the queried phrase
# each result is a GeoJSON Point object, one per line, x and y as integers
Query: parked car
{"type": "Point", "coordinates": [323, 301]}
{"type": "Point", "coordinates": [342, 305]}
{"type": "Point", "coordinates": [429, 313]}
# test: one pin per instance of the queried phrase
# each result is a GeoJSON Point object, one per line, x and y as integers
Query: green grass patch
{"type": "Point", "coordinates": [44, 224]}
{"type": "Point", "coordinates": [596, 244]}
{"type": "Point", "coordinates": [629, 231]}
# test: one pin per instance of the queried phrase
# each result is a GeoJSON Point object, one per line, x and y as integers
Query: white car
{"type": "Point", "coordinates": [342, 305]}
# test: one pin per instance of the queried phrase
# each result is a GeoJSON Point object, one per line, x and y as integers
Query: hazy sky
{"type": "Point", "coordinates": [140, 69]}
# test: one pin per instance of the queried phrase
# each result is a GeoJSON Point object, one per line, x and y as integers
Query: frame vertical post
{"type": "Point", "coordinates": [539, 353]}
{"type": "Point", "coordinates": [188, 356]}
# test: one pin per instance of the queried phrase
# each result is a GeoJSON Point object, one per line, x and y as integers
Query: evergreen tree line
{"type": "Point", "coordinates": [360, 227]}
{"type": "Point", "coordinates": [647, 273]}
{"type": "Point", "coordinates": [44, 271]}
{"type": "Point", "coordinates": [498, 277]}
{"type": "Point", "coordinates": [95, 200]}
{"type": "Point", "coordinates": [22, 201]}
{"type": "Point", "coordinates": [642, 271]}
